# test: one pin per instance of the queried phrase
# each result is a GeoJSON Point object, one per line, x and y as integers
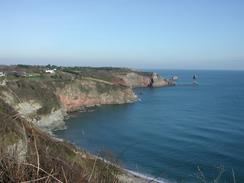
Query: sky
{"type": "Point", "coordinates": [162, 34]}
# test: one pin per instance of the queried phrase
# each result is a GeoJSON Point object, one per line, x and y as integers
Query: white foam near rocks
{"type": "Point", "coordinates": [135, 177]}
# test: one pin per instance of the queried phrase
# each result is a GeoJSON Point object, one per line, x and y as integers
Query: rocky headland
{"type": "Point", "coordinates": [40, 99]}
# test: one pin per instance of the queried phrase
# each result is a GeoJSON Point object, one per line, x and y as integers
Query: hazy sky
{"type": "Point", "coordinates": [182, 34]}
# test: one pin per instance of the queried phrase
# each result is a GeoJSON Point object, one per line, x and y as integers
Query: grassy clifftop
{"type": "Point", "coordinates": [44, 97]}
{"type": "Point", "coordinates": [26, 90]}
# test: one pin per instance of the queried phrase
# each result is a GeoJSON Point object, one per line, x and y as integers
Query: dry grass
{"type": "Point", "coordinates": [46, 159]}
{"type": "Point", "coordinates": [201, 178]}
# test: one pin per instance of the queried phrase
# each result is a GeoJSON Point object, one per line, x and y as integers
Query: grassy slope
{"type": "Point", "coordinates": [49, 159]}
{"type": "Point", "coordinates": [57, 160]}
{"type": "Point", "coordinates": [42, 88]}
{"type": "Point", "coordinates": [27, 89]}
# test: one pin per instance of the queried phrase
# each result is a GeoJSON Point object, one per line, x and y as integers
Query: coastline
{"type": "Point", "coordinates": [129, 176]}
{"type": "Point", "coordinates": [46, 103]}
{"type": "Point", "coordinates": [147, 178]}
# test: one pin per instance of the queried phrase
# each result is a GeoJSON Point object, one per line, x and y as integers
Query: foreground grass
{"type": "Point", "coordinates": [30, 155]}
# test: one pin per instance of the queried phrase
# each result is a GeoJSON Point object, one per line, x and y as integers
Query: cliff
{"type": "Point", "coordinates": [30, 105]}
{"type": "Point", "coordinates": [46, 100]}
{"type": "Point", "coordinates": [47, 103]}
{"type": "Point", "coordinates": [31, 155]}
{"type": "Point", "coordinates": [90, 92]}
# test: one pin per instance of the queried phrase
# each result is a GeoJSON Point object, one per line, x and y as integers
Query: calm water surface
{"type": "Point", "coordinates": [172, 131]}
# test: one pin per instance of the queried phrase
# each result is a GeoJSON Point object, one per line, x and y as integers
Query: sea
{"type": "Point", "coordinates": [184, 133]}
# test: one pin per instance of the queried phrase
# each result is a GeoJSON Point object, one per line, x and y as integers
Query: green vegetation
{"type": "Point", "coordinates": [41, 86]}
{"type": "Point", "coordinates": [47, 159]}
{"type": "Point", "coordinates": [8, 129]}
{"type": "Point", "coordinates": [25, 90]}
{"type": "Point", "coordinates": [109, 74]}
{"type": "Point", "coordinates": [106, 88]}
{"type": "Point", "coordinates": [24, 66]}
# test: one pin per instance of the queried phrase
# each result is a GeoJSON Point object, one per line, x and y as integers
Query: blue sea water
{"type": "Point", "coordinates": [172, 131]}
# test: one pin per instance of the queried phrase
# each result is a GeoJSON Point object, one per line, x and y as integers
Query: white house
{"type": "Point", "coordinates": [50, 71]}
{"type": "Point", "coordinates": [2, 74]}
{"type": "Point", "coordinates": [154, 76]}
{"type": "Point", "coordinates": [175, 78]}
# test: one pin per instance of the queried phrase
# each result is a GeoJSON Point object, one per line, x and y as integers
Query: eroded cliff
{"type": "Point", "coordinates": [46, 100]}
{"type": "Point", "coordinates": [27, 103]}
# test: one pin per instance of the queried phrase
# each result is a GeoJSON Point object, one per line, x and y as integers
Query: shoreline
{"type": "Point", "coordinates": [48, 100]}
{"type": "Point", "coordinates": [131, 175]}
{"type": "Point", "coordinates": [149, 178]}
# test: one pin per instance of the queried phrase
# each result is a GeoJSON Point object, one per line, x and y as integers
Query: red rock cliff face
{"type": "Point", "coordinates": [85, 93]}
{"type": "Point", "coordinates": [91, 91]}
{"type": "Point", "coordinates": [135, 79]}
